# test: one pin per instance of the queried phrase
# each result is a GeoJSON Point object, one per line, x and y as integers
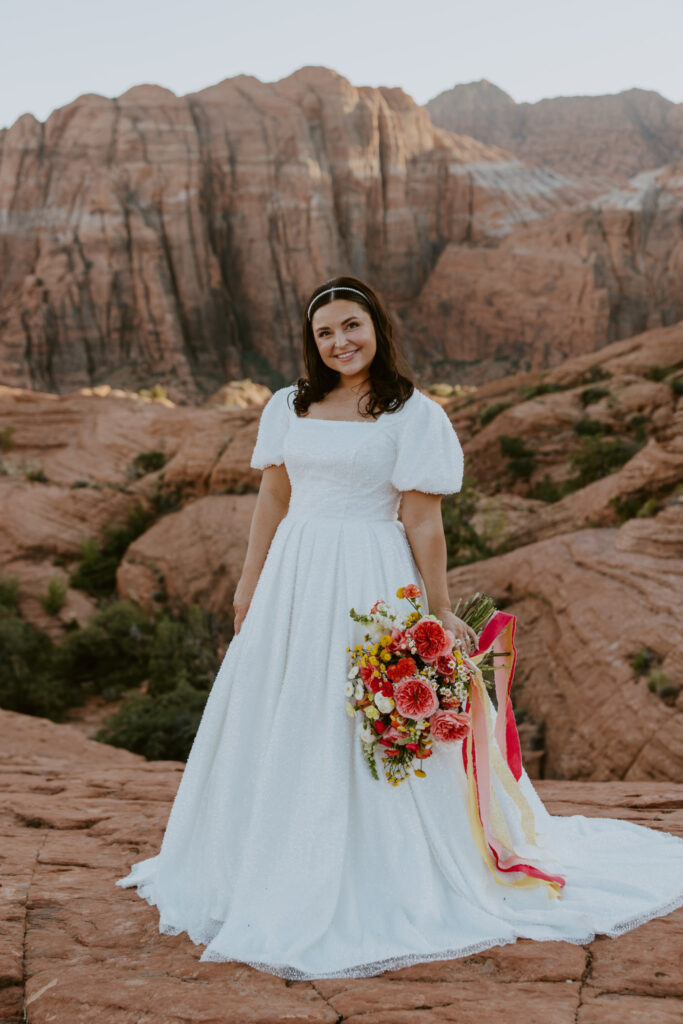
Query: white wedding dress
{"type": "Point", "coordinates": [281, 850]}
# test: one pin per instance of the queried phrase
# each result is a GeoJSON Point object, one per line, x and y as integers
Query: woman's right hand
{"type": "Point", "coordinates": [241, 601]}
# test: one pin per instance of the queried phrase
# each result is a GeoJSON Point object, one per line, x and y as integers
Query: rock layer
{"type": "Point", "coordinates": [74, 814]}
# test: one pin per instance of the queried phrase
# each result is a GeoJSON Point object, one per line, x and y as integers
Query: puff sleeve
{"type": "Point", "coordinates": [429, 455]}
{"type": "Point", "coordinates": [268, 450]}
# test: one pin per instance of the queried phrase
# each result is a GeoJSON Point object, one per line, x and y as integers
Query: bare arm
{"type": "Point", "coordinates": [271, 505]}
{"type": "Point", "coordinates": [421, 518]}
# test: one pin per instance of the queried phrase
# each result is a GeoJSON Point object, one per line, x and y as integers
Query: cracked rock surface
{"type": "Point", "coordinates": [75, 949]}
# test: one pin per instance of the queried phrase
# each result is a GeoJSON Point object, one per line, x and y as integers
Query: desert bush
{"type": "Point", "coordinates": [55, 596]}
{"type": "Point", "coordinates": [157, 727]}
{"type": "Point", "coordinates": [148, 462]}
{"type": "Point", "coordinates": [7, 439]}
{"type": "Point", "coordinates": [586, 425]}
{"type": "Point", "coordinates": [491, 411]}
{"type": "Point", "coordinates": [600, 456]}
{"type": "Point", "coordinates": [100, 559]}
{"type": "Point", "coordinates": [590, 395]}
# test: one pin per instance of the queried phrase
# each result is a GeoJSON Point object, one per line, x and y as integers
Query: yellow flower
{"type": "Point", "coordinates": [399, 592]}
{"type": "Point", "coordinates": [373, 660]}
{"type": "Point", "coordinates": [385, 640]}
{"type": "Point", "coordinates": [385, 655]}
{"type": "Point", "coordinates": [350, 710]}
{"type": "Point", "coordinates": [420, 773]}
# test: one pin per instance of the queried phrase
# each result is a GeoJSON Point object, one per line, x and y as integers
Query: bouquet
{"type": "Point", "coordinates": [410, 683]}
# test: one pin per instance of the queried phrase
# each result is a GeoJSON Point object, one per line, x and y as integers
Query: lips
{"type": "Point", "coordinates": [348, 354]}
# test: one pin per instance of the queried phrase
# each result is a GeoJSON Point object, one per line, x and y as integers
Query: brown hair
{"type": "Point", "coordinates": [391, 383]}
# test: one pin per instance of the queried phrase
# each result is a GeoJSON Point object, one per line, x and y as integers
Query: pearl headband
{"type": "Point", "coordinates": [339, 288]}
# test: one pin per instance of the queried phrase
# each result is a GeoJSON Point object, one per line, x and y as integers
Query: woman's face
{"type": "Point", "coordinates": [345, 336]}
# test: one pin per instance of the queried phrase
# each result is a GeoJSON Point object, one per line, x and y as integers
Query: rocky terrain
{"type": "Point", "coordinates": [74, 814]}
{"type": "Point", "coordinates": [593, 575]}
{"type": "Point", "coordinates": [616, 135]}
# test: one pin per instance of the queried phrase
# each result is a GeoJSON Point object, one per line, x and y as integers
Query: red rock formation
{"type": "Point", "coordinates": [74, 814]}
{"type": "Point", "coordinates": [567, 284]}
{"type": "Point", "coordinates": [612, 135]}
{"type": "Point", "coordinates": [156, 237]}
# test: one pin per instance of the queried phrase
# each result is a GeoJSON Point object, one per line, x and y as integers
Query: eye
{"type": "Point", "coordinates": [353, 323]}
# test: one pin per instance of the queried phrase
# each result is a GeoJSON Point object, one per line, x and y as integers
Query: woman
{"type": "Point", "coordinates": [281, 850]}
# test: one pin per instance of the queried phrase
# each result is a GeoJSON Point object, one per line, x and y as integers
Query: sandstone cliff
{"type": "Point", "coordinates": [157, 237]}
{"type": "Point", "coordinates": [616, 135]}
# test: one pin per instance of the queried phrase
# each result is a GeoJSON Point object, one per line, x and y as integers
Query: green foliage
{"type": "Point", "coordinates": [53, 600]}
{"type": "Point", "coordinates": [7, 439]}
{"type": "Point", "coordinates": [677, 385]}
{"type": "Point", "coordinates": [643, 660]}
{"type": "Point", "coordinates": [182, 651]}
{"type": "Point", "coordinates": [9, 593]}
{"type": "Point", "coordinates": [148, 462]}
{"type": "Point", "coordinates": [595, 373]}
{"type": "Point", "coordinates": [660, 683]}
{"type": "Point", "coordinates": [657, 372]}
{"type": "Point", "coordinates": [157, 727]}
{"type": "Point", "coordinates": [108, 655]}
{"type": "Point", "coordinates": [491, 411]}
{"type": "Point", "coordinates": [589, 426]}
{"type": "Point", "coordinates": [543, 388]}
{"type": "Point", "coordinates": [26, 656]}
{"type": "Point", "coordinates": [36, 476]}
{"type": "Point", "coordinates": [521, 459]}
{"type": "Point", "coordinates": [638, 424]}
{"type": "Point", "coordinates": [99, 560]}
{"type": "Point", "coordinates": [463, 543]}
{"type": "Point", "coordinates": [599, 457]}
{"type": "Point", "coordinates": [590, 395]}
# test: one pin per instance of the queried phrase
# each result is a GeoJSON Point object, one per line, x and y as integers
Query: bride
{"type": "Point", "coordinates": [281, 850]}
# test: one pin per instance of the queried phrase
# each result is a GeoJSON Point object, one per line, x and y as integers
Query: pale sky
{"type": "Point", "coordinates": [52, 51]}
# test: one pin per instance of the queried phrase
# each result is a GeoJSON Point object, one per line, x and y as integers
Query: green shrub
{"type": "Point", "coordinates": [53, 600]}
{"type": "Point", "coordinates": [657, 372]}
{"type": "Point", "coordinates": [107, 655]}
{"type": "Point", "coordinates": [599, 457]}
{"type": "Point", "coordinates": [157, 727]}
{"type": "Point", "coordinates": [9, 593]}
{"type": "Point", "coordinates": [643, 660]}
{"type": "Point", "coordinates": [595, 373]}
{"type": "Point", "coordinates": [491, 411]}
{"type": "Point", "coordinates": [638, 424]}
{"type": "Point", "coordinates": [148, 462]}
{"type": "Point", "coordinates": [677, 385]}
{"type": "Point", "coordinates": [26, 681]}
{"type": "Point", "coordinates": [590, 395]}
{"type": "Point", "coordinates": [660, 683]}
{"type": "Point", "coordinates": [183, 650]}
{"type": "Point", "coordinates": [36, 476]}
{"type": "Point", "coordinates": [521, 459]}
{"type": "Point", "coordinates": [543, 388]}
{"type": "Point", "coordinates": [463, 543]}
{"type": "Point", "coordinates": [588, 426]}
{"type": "Point", "coordinates": [99, 560]}
{"type": "Point", "coordinates": [7, 439]}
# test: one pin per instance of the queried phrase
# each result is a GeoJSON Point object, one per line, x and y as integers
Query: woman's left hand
{"type": "Point", "coordinates": [460, 630]}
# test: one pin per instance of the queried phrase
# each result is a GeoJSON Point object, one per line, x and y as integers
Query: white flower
{"type": "Point", "coordinates": [359, 691]}
{"type": "Point", "coordinates": [353, 672]}
{"type": "Point", "coordinates": [371, 712]}
{"type": "Point", "coordinates": [349, 689]}
{"type": "Point", "coordinates": [366, 733]}
{"type": "Point", "coordinates": [385, 704]}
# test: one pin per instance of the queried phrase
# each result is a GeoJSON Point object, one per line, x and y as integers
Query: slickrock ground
{"type": "Point", "coordinates": [75, 949]}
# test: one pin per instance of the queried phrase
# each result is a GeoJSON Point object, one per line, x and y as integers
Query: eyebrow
{"type": "Point", "coordinates": [354, 316]}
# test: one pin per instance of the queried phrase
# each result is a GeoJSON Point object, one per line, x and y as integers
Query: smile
{"type": "Point", "coordinates": [345, 356]}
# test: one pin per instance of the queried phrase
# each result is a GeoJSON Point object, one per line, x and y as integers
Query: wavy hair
{"type": "Point", "coordinates": [391, 381]}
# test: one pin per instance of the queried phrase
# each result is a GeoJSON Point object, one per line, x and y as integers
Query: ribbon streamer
{"type": "Point", "coordinates": [494, 753]}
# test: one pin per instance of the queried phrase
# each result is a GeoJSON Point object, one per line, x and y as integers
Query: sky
{"type": "Point", "coordinates": [51, 52]}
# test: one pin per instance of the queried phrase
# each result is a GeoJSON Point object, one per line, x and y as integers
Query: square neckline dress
{"type": "Point", "coordinates": [281, 850]}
